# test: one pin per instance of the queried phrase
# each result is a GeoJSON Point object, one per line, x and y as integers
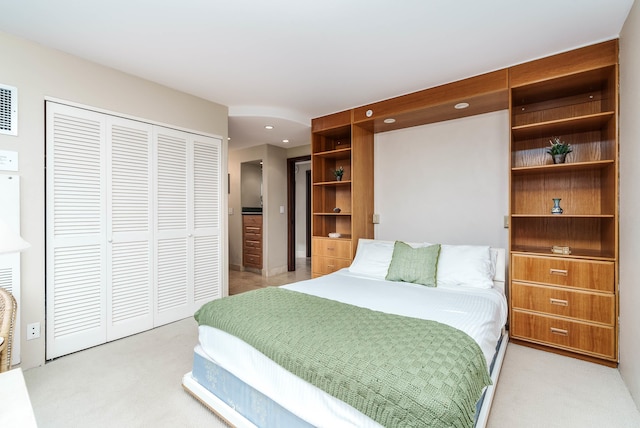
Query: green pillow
{"type": "Point", "coordinates": [416, 265]}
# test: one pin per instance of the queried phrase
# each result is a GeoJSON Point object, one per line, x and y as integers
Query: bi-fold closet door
{"type": "Point", "coordinates": [133, 226]}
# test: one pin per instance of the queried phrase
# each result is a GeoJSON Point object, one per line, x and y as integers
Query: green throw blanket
{"type": "Point", "coordinates": [397, 370]}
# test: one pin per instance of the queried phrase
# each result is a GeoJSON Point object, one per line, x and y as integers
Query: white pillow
{"type": "Point", "coordinates": [466, 265]}
{"type": "Point", "coordinates": [373, 257]}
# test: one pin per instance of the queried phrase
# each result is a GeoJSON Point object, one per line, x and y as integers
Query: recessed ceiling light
{"type": "Point", "coordinates": [268, 127]}
{"type": "Point", "coordinates": [460, 106]}
{"type": "Point", "coordinates": [390, 120]}
{"type": "Point", "coordinates": [285, 141]}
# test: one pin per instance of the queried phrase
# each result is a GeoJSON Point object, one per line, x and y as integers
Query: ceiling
{"type": "Point", "coordinates": [283, 62]}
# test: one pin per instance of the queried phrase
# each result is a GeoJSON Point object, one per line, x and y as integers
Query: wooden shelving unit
{"type": "Point", "coordinates": [337, 143]}
{"type": "Point", "coordinates": [579, 104]}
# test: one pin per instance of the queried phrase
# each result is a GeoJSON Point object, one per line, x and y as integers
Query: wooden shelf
{"type": "Point", "coordinates": [342, 238]}
{"type": "Point", "coordinates": [335, 154]}
{"type": "Point", "coordinates": [576, 253]}
{"type": "Point", "coordinates": [573, 166]}
{"type": "Point", "coordinates": [333, 183]}
{"type": "Point", "coordinates": [570, 125]}
{"type": "Point", "coordinates": [564, 215]}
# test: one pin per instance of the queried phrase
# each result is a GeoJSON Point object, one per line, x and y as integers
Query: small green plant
{"type": "Point", "coordinates": [338, 172]}
{"type": "Point", "coordinates": [559, 147]}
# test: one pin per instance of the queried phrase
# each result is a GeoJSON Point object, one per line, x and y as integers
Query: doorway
{"type": "Point", "coordinates": [294, 205]}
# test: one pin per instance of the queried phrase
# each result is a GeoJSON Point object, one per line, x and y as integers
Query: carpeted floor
{"type": "Point", "coordinates": [136, 382]}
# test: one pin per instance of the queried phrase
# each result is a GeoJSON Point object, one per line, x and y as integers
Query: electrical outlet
{"type": "Point", "coordinates": [33, 330]}
{"type": "Point", "coordinates": [376, 219]}
{"type": "Point", "coordinates": [506, 222]}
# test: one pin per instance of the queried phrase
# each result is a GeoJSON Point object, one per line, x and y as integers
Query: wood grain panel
{"type": "Point", "coordinates": [582, 274]}
{"type": "Point", "coordinates": [331, 122]}
{"type": "Point", "coordinates": [580, 305]}
{"type": "Point", "coordinates": [331, 247]}
{"type": "Point", "coordinates": [587, 58]}
{"type": "Point", "coordinates": [326, 265]}
{"type": "Point", "coordinates": [575, 336]}
{"type": "Point", "coordinates": [484, 93]}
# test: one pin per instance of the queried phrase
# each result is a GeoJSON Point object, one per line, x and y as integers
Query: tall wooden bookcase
{"type": "Point", "coordinates": [567, 303]}
{"type": "Point", "coordinates": [345, 206]}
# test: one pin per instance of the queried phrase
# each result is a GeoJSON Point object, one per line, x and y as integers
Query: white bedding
{"type": "Point", "coordinates": [481, 313]}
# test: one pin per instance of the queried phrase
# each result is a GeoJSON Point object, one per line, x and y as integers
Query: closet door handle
{"type": "Point", "coordinates": [561, 272]}
{"type": "Point", "coordinates": [559, 331]}
{"type": "Point", "coordinates": [559, 302]}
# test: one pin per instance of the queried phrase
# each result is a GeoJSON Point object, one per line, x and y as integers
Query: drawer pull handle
{"type": "Point", "coordinates": [252, 228]}
{"type": "Point", "coordinates": [561, 272]}
{"type": "Point", "coordinates": [559, 302]}
{"type": "Point", "coordinates": [559, 331]}
{"type": "Point", "coordinates": [330, 266]}
{"type": "Point", "coordinates": [330, 249]}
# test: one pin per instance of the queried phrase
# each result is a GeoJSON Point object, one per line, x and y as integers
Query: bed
{"type": "Point", "coordinates": [387, 290]}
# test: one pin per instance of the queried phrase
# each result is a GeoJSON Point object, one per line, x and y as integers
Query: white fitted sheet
{"type": "Point", "coordinates": [481, 313]}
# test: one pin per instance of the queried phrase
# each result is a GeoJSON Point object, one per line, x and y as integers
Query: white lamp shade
{"type": "Point", "coordinates": [10, 241]}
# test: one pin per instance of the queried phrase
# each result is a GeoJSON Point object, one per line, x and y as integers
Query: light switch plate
{"type": "Point", "coordinates": [8, 160]}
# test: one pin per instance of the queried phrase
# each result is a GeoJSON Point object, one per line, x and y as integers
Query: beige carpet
{"type": "Point", "coordinates": [136, 382]}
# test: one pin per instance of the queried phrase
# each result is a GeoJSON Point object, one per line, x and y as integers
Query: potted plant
{"type": "Point", "coordinates": [559, 149]}
{"type": "Point", "coordinates": [338, 172]}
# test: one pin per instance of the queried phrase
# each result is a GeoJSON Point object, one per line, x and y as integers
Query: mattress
{"type": "Point", "coordinates": [481, 313]}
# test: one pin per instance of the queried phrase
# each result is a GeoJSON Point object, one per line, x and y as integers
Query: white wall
{"type": "Point", "coordinates": [39, 72]}
{"type": "Point", "coordinates": [446, 182]}
{"type": "Point", "coordinates": [630, 203]}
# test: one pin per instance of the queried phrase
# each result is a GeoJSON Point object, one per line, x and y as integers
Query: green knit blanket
{"type": "Point", "coordinates": [397, 370]}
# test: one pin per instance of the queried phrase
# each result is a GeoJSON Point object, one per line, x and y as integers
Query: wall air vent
{"type": "Point", "coordinates": [8, 110]}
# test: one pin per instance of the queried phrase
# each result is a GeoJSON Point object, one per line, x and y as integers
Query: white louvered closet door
{"type": "Point", "coordinates": [76, 244]}
{"type": "Point", "coordinates": [207, 209]}
{"type": "Point", "coordinates": [173, 275]}
{"type": "Point", "coordinates": [188, 247]}
{"type": "Point", "coordinates": [133, 226]}
{"type": "Point", "coordinates": [129, 227]}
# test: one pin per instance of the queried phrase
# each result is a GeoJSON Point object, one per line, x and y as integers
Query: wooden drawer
{"type": "Point", "coordinates": [252, 232]}
{"type": "Point", "coordinates": [253, 250]}
{"type": "Point", "coordinates": [253, 243]}
{"type": "Point", "coordinates": [585, 338]}
{"type": "Point", "coordinates": [252, 220]}
{"type": "Point", "coordinates": [339, 248]}
{"type": "Point", "coordinates": [252, 260]}
{"type": "Point", "coordinates": [323, 265]}
{"type": "Point", "coordinates": [568, 303]}
{"type": "Point", "coordinates": [586, 274]}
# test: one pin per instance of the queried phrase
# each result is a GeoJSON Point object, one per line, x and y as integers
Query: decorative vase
{"type": "Point", "coordinates": [338, 177]}
{"type": "Point", "coordinates": [559, 158]}
{"type": "Point", "coordinates": [556, 206]}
